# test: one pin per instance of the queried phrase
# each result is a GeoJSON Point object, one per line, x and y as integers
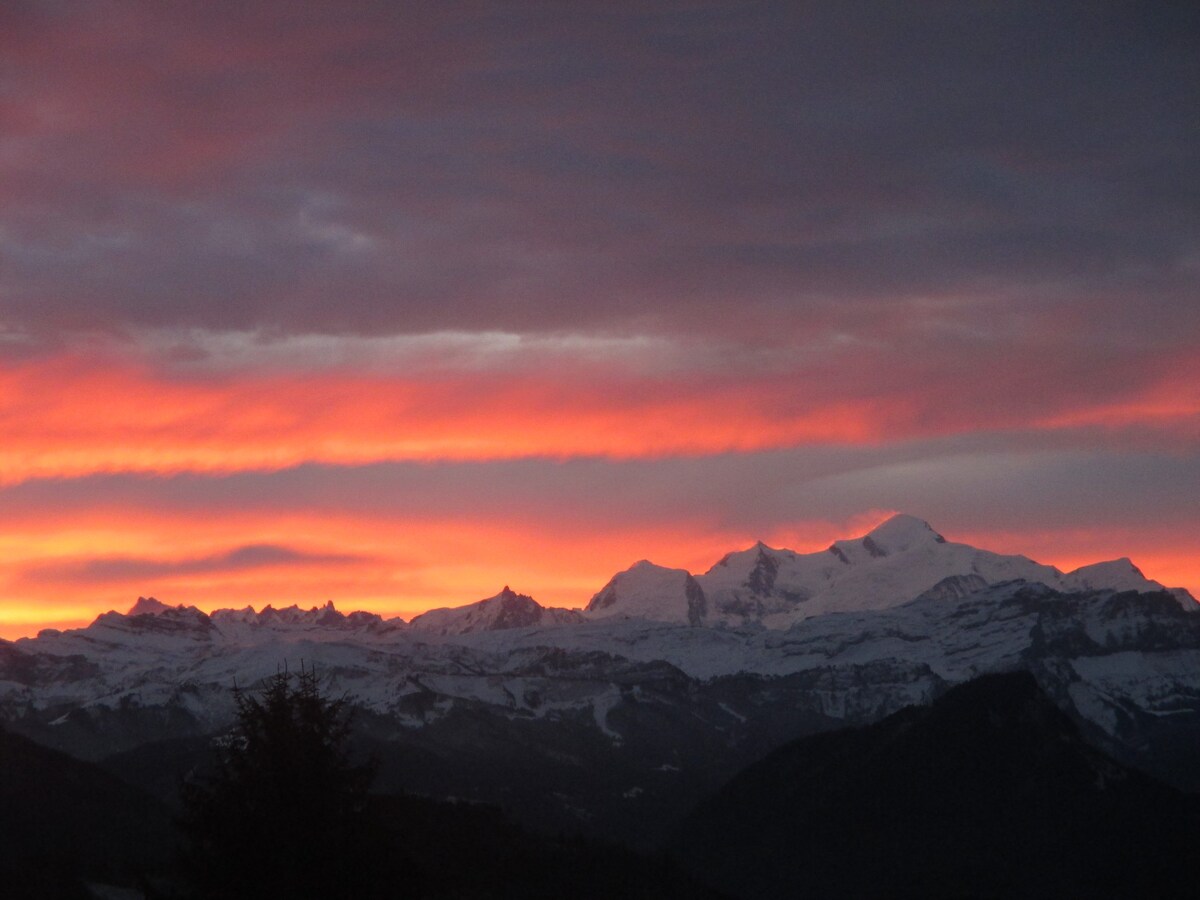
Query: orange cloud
{"type": "Point", "coordinates": [71, 416]}
{"type": "Point", "coordinates": [1173, 407]}
{"type": "Point", "coordinates": [67, 417]}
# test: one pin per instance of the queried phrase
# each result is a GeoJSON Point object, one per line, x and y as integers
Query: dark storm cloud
{"type": "Point", "coordinates": [129, 568]}
{"type": "Point", "coordinates": [406, 167]}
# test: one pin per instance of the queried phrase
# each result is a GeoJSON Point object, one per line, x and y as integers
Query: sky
{"type": "Point", "coordinates": [395, 303]}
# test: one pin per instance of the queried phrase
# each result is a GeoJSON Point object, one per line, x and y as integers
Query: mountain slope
{"type": "Point", "coordinates": [988, 792]}
{"type": "Point", "coordinates": [64, 816]}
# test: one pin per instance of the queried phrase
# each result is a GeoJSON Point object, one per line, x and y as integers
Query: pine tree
{"type": "Point", "coordinates": [285, 812]}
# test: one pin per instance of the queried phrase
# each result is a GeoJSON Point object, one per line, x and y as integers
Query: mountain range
{"type": "Point", "coordinates": [615, 719]}
{"type": "Point", "coordinates": [895, 562]}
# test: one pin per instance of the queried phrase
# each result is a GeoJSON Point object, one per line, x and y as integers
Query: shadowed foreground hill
{"type": "Point", "coordinates": [62, 820]}
{"type": "Point", "coordinates": [285, 812]}
{"type": "Point", "coordinates": [65, 824]}
{"type": "Point", "coordinates": [470, 852]}
{"type": "Point", "coordinates": [988, 792]}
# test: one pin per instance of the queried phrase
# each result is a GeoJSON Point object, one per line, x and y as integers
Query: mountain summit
{"type": "Point", "coordinates": [900, 533]}
{"type": "Point", "coordinates": [647, 591]}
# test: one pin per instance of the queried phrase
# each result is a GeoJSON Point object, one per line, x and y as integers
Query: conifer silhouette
{"type": "Point", "coordinates": [285, 812]}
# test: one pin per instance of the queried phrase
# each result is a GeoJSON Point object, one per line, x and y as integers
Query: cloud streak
{"type": "Point", "coordinates": [134, 570]}
{"type": "Point", "coordinates": [66, 415]}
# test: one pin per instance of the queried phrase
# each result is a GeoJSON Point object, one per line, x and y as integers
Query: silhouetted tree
{"type": "Point", "coordinates": [285, 812]}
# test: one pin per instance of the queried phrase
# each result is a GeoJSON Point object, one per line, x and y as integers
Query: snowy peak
{"type": "Point", "coordinates": [761, 579]}
{"type": "Point", "coordinates": [507, 609]}
{"type": "Point", "coordinates": [153, 615]}
{"type": "Point", "coordinates": [1113, 575]}
{"type": "Point", "coordinates": [897, 536]}
{"type": "Point", "coordinates": [152, 627]}
{"type": "Point", "coordinates": [743, 562]}
{"type": "Point", "coordinates": [760, 563]}
{"type": "Point", "coordinates": [648, 591]}
{"type": "Point", "coordinates": [900, 533]}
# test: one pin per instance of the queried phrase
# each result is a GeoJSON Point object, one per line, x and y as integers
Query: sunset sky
{"type": "Point", "coordinates": [394, 303]}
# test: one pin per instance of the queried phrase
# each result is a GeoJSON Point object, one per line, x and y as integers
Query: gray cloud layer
{"type": "Point", "coordinates": [399, 168]}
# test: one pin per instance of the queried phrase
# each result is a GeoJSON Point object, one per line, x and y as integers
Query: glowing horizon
{"type": "Point", "coordinates": [370, 586]}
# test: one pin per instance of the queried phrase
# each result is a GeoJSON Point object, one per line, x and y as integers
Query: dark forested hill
{"type": "Point", "coordinates": [988, 792]}
{"type": "Point", "coordinates": [62, 819]}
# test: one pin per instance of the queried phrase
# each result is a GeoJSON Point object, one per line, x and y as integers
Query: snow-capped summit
{"type": "Point", "coordinates": [1115, 574]}
{"type": "Point", "coordinates": [761, 581]}
{"type": "Point", "coordinates": [507, 609]}
{"type": "Point", "coordinates": [899, 534]}
{"type": "Point", "coordinates": [648, 591]}
{"type": "Point", "coordinates": [902, 532]}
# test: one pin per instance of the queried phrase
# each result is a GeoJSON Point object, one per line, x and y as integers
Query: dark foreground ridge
{"type": "Point", "coordinates": [989, 792]}
{"type": "Point", "coordinates": [71, 830]}
{"type": "Point", "coordinates": [62, 818]}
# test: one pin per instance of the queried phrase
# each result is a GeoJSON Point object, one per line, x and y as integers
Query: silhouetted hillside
{"type": "Point", "coordinates": [473, 852]}
{"type": "Point", "coordinates": [988, 792]}
{"type": "Point", "coordinates": [62, 819]}
{"type": "Point", "coordinates": [64, 822]}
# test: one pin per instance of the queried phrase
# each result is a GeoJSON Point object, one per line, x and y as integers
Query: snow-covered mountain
{"type": "Point", "coordinates": [894, 563]}
{"type": "Point", "coordinates": [665, 678]}
{"type": "Point", "coordinates": [901, 559]}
